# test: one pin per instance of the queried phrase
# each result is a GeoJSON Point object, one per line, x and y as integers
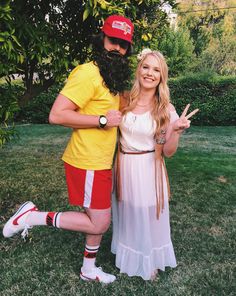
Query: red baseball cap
{"type": "Point", "coordinates": [118, 26]}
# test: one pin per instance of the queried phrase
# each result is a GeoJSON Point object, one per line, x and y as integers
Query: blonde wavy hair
{"type": "Point", "coordinates": [160, 112]}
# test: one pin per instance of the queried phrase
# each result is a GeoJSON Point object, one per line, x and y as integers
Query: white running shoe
{"type": "Point", "coordinates": [17, 222]}
{"type": "Point", "coordinates": [96, 274]}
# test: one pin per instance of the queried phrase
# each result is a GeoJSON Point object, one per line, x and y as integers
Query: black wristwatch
{"type": "Point", "coordinates": [102, 121]}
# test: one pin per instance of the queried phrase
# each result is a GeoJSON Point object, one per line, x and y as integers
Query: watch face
{"type": "Point", "coordinates": [103, 120]}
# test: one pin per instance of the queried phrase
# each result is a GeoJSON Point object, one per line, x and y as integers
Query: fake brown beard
{"type": "Point", "coordinates": [114, 69]}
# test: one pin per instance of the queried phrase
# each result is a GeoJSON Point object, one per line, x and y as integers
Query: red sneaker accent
{"type": "Point", "coordinates": [97, 279]}
{"type": "Point", "coordinates": [89, 279]}
{"type": "Point", "coordinates": [15, 221]}
{"type": "Point", "coordinates": [96, 274]}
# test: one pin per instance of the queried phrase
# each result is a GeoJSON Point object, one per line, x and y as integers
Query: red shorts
{"type": "Point", "coordinates": [88, 188]}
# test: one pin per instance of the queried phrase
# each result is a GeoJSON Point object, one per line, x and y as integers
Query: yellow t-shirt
{"type": "Point", "coordinates": [90, 148]}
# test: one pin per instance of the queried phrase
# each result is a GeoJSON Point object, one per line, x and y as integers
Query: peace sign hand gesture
{"type": "Point", "coordinates": [183, 122]}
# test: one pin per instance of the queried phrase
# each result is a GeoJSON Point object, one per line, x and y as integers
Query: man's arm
{"type": "Point", "coordinates": [64, 112]}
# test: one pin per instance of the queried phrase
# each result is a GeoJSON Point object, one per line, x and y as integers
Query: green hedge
{"type": "Point", "coordinates": [215, 96]}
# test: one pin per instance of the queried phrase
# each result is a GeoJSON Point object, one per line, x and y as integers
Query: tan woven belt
{"type": "Point", "coordinates": [137, 152]}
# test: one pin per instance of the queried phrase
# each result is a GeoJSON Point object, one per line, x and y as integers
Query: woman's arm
{"type": "Point", "coordinates": [175, 129]}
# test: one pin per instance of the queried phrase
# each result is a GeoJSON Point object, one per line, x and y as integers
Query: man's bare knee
{"type": "Point", "coordinates": [100, 219]}
{"type": "Point", "coordinates": [103, 227]}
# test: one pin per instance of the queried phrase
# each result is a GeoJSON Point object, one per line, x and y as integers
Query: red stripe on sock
{"type": "Point", "coordinates": [90, 255]}
{"type": "Point", "coordinates": [49, 218]}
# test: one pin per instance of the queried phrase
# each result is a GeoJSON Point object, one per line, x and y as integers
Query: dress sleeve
{"type": "Point", "coordinates": [173, 116]}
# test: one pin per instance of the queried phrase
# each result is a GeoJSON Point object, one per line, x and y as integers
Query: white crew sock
{"type": "Point", "coordinates": [41, 218]}
{"type": "Point", "coordinates": [89, 260]}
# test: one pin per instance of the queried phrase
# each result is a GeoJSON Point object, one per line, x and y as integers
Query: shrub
{"type": "Point", "coordinates": [215, 96]}
{"type": "Point", "coordinates": [8, 108]}
{"type": "Point", "coordinates": [37, 110]}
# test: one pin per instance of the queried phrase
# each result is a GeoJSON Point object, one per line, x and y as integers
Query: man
{"type": "Point", "coordinates": [89, 104]}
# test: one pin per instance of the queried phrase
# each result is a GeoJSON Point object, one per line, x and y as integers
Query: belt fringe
{"type": "Point", "coordinates": [159, 167]}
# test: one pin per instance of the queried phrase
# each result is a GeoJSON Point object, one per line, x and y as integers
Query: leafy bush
{"type": "Point", "coordinates": [215, 96]}
{"type": "Point", "coordinates": [37, 110]}
{"type": "Point", "coordinates": [8, 108]}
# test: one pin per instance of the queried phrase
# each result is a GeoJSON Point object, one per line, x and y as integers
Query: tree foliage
{"type": "Point", "coordinates": [177, 47]}
{"type": "Point", "coordinates": [213, 31]}
{"type": "Point", "coordinates": [8, 52]}
{"type": "Point", "coordinates": [54, 35]}
{"type": "Point", "coordinates": [200, 22]}
{"type": "Point", "coordinates": [41, 40]}
{"type": "Point", "coordinates": [220, 55]}
{"type": "Point", "coordinates": [9, 45]}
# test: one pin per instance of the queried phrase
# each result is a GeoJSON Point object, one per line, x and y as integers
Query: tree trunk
{"type": "Point", "coordinates": [33, 90]}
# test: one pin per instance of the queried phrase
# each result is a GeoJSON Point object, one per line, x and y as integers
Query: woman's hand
{"type": "Point", "coordinates": [183, 122]}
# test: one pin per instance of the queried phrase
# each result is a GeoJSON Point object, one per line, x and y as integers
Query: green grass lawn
{"type": "Point", "coordinates": [203, 184]}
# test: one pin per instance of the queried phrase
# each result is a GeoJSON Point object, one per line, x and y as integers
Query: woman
{"type": "Point", "coordinates": [150, 129]}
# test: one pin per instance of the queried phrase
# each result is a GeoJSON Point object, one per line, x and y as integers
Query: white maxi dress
{"type": "Point", "coordinates": [141, 242]}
